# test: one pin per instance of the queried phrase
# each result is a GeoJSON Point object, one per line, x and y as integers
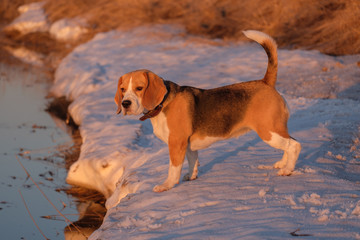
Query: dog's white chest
{"type": "Point", "coordinates": [160, 127]}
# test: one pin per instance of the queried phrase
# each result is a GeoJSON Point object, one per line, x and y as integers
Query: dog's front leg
{"type": "Point", "coordinates": [177, 150]}
{"type": "Point", "coordinates": [172, 179]}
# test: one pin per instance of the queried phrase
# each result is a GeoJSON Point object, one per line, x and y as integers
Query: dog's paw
{"type": "Point", "coordinates": [284, 172]}
{"type": "Point", "coordinates": [188, 178]}
{"type": "Point", "coordinates": [160, 188]}
{"type": "Point", "coordinates": [280, 164]}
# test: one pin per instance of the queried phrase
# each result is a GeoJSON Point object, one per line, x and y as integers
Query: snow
{"type": "Point", "coordinates": [68, 29]}
{"type": "Point", "coordinates": [33, 19]}
{"type": "Point", "coordinates": [237, 193]}
{"type": "Point", "coordinates": [26, 55]}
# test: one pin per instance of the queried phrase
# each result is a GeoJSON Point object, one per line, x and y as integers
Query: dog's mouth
{"type": "Point", "coordinates": [127, 111]}
{"type": "Point", "coordinates": [130, 111]}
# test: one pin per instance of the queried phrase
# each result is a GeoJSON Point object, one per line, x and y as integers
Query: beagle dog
{"type": "Point", "coordinates": [189, 119]}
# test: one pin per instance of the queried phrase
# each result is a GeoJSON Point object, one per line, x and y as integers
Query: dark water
{"type": "Point", "coordinates": [37, 139]}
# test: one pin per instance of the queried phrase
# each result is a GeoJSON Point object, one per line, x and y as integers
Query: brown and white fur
{"type": "Point", "coordinates": [189, 119]}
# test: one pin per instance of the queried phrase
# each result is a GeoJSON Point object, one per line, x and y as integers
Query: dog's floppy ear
{"type": "Point", "coordinates": [154, 92]}
{"type": "Point", "coordinates": [118, 96]}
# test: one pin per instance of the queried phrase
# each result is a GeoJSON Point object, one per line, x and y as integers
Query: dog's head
{"type": "Point", "coordinates": [138, 91]}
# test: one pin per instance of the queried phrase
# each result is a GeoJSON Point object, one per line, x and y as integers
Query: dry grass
{"type": "Point", "coordinates": [331, 26]}
{"type": "Point", "coordinates": [8, 9]}
{"type": "Point", "coordinates": [40, 42]}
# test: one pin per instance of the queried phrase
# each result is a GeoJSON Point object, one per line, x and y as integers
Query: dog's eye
{"type": "Point", "coordinates": [139, 88]}
{"type": "Point", "coordinates": [122, 89]}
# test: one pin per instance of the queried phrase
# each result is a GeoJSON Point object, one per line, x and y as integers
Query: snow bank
{"type": "Point", "coordinates": [33, 19]}
{"type": "Point", "coordinates": [237, 194]}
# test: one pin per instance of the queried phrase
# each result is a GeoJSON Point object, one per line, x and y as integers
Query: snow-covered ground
{"type": "Point", "coordinates": [237, 194]}
{"type": "Point", "coordinates": [32, 19]}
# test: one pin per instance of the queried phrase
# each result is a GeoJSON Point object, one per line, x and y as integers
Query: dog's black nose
{"type": "Point", "coordinates": [126, 103]}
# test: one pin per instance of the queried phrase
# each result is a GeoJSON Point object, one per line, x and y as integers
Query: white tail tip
{"type": "Point", "coordinates": [258, 36]}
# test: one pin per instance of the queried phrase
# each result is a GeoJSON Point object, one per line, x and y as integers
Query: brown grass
{"type": "Point", "coordinates": [8, 9]}
{"type": "Point", "coordinates": [39, 42]}
{"type": "Point", "coordinates": [331, 26]}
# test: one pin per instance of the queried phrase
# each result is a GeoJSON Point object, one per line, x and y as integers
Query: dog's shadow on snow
{"type": "Point", "coordinates": [207, 165]}
{"type": "Point", "coordinates": [333, 151]}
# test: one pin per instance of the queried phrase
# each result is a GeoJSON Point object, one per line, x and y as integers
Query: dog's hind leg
{"type": "Point", "coordinates": [282, 162]}
{"type": "Point", "coordinates": [193, 160]}
{"type": "Point", "coordinates": [291, 150]}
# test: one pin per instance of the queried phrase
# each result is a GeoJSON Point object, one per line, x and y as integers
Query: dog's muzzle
{"type": "Point", "coordinates": [131, 106]}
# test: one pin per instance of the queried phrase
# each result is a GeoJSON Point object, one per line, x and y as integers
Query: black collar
{"type": "Point", "coordinates": [157, 109]}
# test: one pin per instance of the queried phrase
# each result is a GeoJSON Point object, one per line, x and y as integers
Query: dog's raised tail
{"type": "Point", "coordinates": [269, 44]}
